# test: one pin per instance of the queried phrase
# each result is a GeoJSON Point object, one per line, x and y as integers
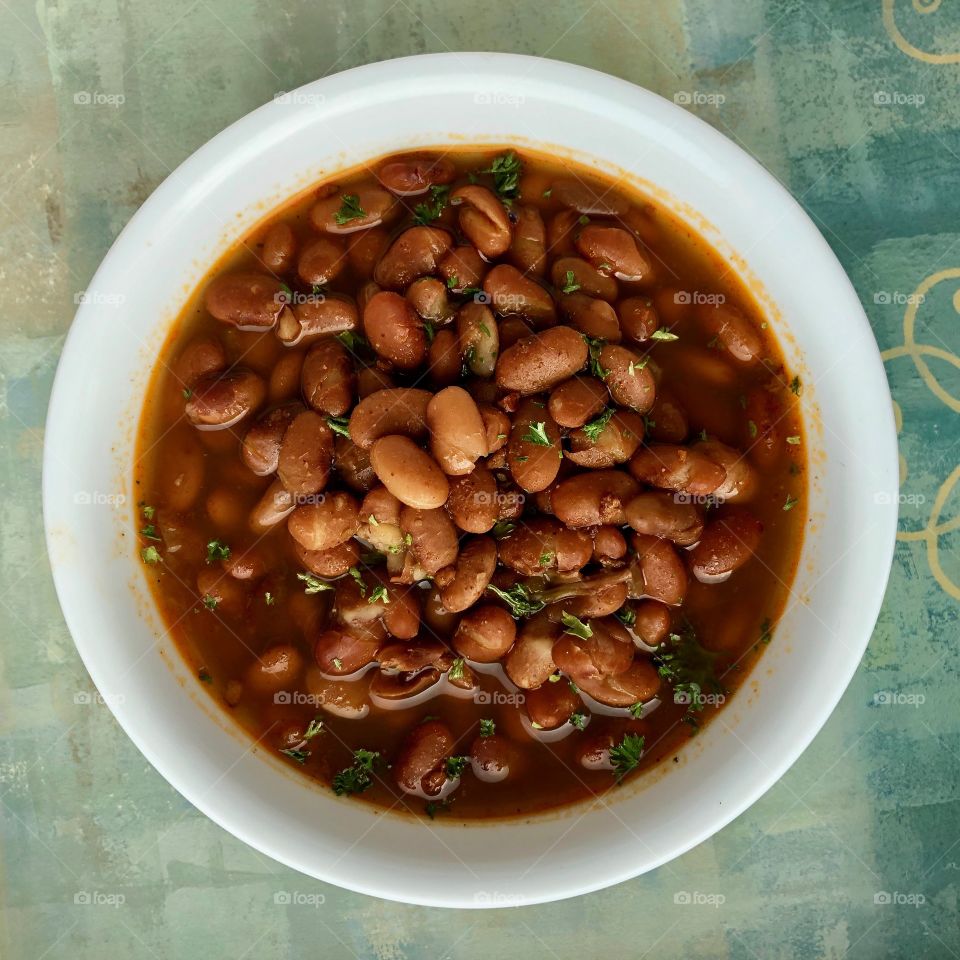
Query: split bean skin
{"type": "Point", "coordinates": [452, 468]}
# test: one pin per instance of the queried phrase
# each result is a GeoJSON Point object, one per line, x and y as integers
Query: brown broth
{"type": "Point", "coordinates": [730, 618]}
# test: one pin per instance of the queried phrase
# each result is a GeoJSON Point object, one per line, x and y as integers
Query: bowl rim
{"type": "Point", "coordinates": [495, 66]}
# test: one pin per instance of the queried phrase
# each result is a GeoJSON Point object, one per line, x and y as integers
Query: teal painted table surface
{"type": "Point", "coordinates": [855, 107]}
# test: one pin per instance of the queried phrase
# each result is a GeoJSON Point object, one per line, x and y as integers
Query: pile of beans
{"type": "Point", "coordinates": [467, 448]}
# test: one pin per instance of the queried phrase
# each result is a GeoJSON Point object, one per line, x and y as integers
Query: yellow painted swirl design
{"type": "Point", "coordinates": [922, 7]}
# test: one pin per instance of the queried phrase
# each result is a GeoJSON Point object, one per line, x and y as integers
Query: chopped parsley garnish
{"type": "Point", "coordinates": [636, 365]}
{"type": "Point", "coordinates": [350, 209]}
{"type": "Point", "coordinates": [337, 663]}
{"type": "Point", "coordinates": [487, 728]}
{"type": "Point", "coordinates": [296, 753]}
{"type": "Point", "coordinates": [636, 710]}
{"type": "Point", "coordinates": [269, 599]}
{"type": "Point", "coordinates": [339, 425]}
{"type": "Point", "coordinates": [456, 766]}
{"type": "Point", "coordinates": [187, 393]}
{"type": "Point", "coordinates": [547, 193]}
{"type": "Point", "coordinates": [355, 343]}
{"type": "Point", "coordinates": [433, 807]}
{"type": "Point", "coordinates": [149, 532]}
{"type": "Point", "coordinates": [593, 429]}
{"type": "Point", "coordinates": [795, 386]}
{"type": "Point", "coordinates": [217, 551]}
{"type": "Point", "coordinates": [313, 584]}
{"type": "Point", "coordinates": [579, 720]}
{"type": "Point", "coordinates": [314, 727]}
{"type": "Point", "coordinates": [537, 433]}
{"type": "Point", "coordinates": [456, 669]}
{"type": "Point", "coordinates": [203, 675]}
{"type": "Point", "coordinates": [627, 616]}
{"type": "Point", "coordinates": [521, 601]}
{"type": "Point", "coordinates": [595, 347]}
{"type": "Point", "coordinates": [625, 756]}
{"type": "Point", "coordinates": [766, 631]}
{"type": "Point", "coordinates": [150, 555]}
{"type": "Point", "coordinates": [502, 528]}
{"type": "Point", "coordinates": [790, 503]}
{"type": "Point", "coordinates": [583, 220]}
{"type": "Point", "coordinates": [546, 558]}
{"type": "Point", "coordinates": [793, 441]}
{"type": "Point", "coordinates": [358, 577]}
{"type": "Point", "coordinates": [210, 602]}
{"type": "Point", "coordinates": [147, 511]}
{"type": "Point", "coordinates": [703, 435]}
{"type": "Point", "coordinates": [379, 595]}
{"type": "Point", "coordinates": [570, 284]}
{"type": "Point", "coordinates": [429, 330]}
{"type": "Point", "coordinates": [661, 334]}
{"type": "Point", "coordinates": [575, 626]}
{"type": "Point", "coordinates": [429, 210]}
{"type": "Point", "coordinates": [453, 281]}
{"type": "Point", "coordinates": [689, 669]}
{"type": "Point", "coordinates": [356, 778]}
{"type": "Point", "coordinates": [752, 429]}
{"type": "Point", "coordinates": [506, 170]}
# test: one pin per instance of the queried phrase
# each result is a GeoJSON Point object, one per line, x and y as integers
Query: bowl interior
{"type": "Point", "coordinates": [233, 182]}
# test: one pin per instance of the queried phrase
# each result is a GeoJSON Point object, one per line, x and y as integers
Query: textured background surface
{"type": "Point", "coordinates": [854, 107]}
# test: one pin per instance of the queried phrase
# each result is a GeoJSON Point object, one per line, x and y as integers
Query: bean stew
{"type": "Point", "coordinates": [471, 483]}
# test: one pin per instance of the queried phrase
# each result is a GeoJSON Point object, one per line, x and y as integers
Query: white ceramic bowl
{"type": "Point", "coordinates": [227, 186]}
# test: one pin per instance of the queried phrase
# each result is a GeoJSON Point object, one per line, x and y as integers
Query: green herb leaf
{"type": "Point", "coordinates": [204, 675]}
{"type": "Point", "coordinates": [575, 626]}
{"type": "Point", "coordinates": [519, 599]}
{"type": "Point", "coordinates": [794, 441]}
{"type": "Point", "coordinates": [358, 577]}
{"type": "Point", "coordinates": [627, 616]}
{"type": "Point", "coordinates": [217, 551]}
{"type": "Point", "coordinates": [595, 346]}
{"type": "Point", "coordinates": [661, 334]}
{"type": "Point", "coordinates": [579, 720]}
{"type": "Point", "coordinates": [314, 727]}
{"type": "Point", "coordinates": [506, 170]}
{"type": "Point", "coordinates": [636, 710]}
{"type": "Point", "coordinates": [430, 210]}
{"type": "Point", "coordinates": [593, 429]}
{"type": "Point", "coordinates": [269, 599]}
{"type": "Point", "coordinates": [211, 602]}
{"type": "Point", "coordinates": [379, 595]}
{"type": "Point", "coordinates": [296, 753]}
{"type": "Point", "coordinates": [751, 428]}
{"type": "Point", "coordinates": [625, 757]}
{"type": "Point", "coordinates": [150, 555]}
{"type": "Point", "coordinates": [456, 669]}
{"type": "Point", "coordinates": [350, 209]}
{"type": "Point", "coordinates": [537, 433]}
{"type": "Point", "coordinates": [455, 766]}
{"type": "Point", "coordinates": [340, 425]}
{"type": "Point", "coordinates": [147, 511]}
{"type": "Point", "coordinates": [356, 778]}
{"type": "Point", "coordinates": [313, 584]}
{"type": "Point", "coordinates": [487, 728]}
{"type": "Point", "coordinates": [689, 668]}
{"type": "Point", "coordinates": [149, 532]}
{"type": "Point", "coordinates": [795, 386]}
{"type": "Point", "coordinates": [502, 528]}
{"type": "Point", "coordinates": [546, 558]}
{"type": "Point", "coordinates": [766, 631]}
{"type": "Point", "coordinates": [790, 503]}
{"type": "Point", "coordinates": [570, 284]}
{"type": "Point", "coordinates": [187, 393]}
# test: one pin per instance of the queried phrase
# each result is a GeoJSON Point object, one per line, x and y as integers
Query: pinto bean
{"type": "Point", "coordinates": [608, 651]}
{"type": "Point", "coordinates": [327, 524]}
{"type": "Point", "coordinates": [637, 685]}
{"type": "Point", "coordinates": [542, 545]}
{"type": "Point", "coordinates": [741, 479]}
{"type": "Point", "coordinates": [328, 378]}
{"type": "Point", "coordinates": [284, 382]}
{"type": "Point", "coordinates": [278, 667]}
{"type": "Point", "coordinates": [372, 379]}
{"type": "Point", "coordinates": [551, 705]}
{"type": "Point", "coordinates": [421, 766]}
{"type": "Point", "coordinates": [677, 468]}
{"type": "Point", "coordinates": [638, 318]}
{"type": "Point", "coordinates": [510, 292]}
{"type": "Point", "coordinates": [429, 297]}
{"type": "Point", "coordinates": [250, 301]}
{"type": "Point", "coordinates": [412, 176]}
{"type": "Point", "coordinates": [593, 499]}
{"type": "Point", "coordinates": [728, 542]}
{"type": "Point", "coordinates": [575, 401]}
{"type": "Point", "coordinates": [358, 612]}
{"type": "Point", "coordinates": [735, 333]}
{"type": "Point", "coordinates": [609, 545]}
{"type": "Point", "coordinates": [485, 633]}
{"type": "Point", "coordinates": [331, 214]}
{"type": "Point", "coordinates": [614, 250]}
{"type": "Point", "coordinates": [629, 381]}
{"type": "Point", "coordinates": [331, 563]}
{"type": "Point", "coordinates": [321, 261]}
{"type": "Point", "coordinates": [494, 758]}
{"type": "Point", "coordinates": [353, 465]}
{"type": "Point", "coordinates": [590, 198]}
{"type": "Point", "coordinates": [443, 358]}
{"type": "Point", "coordinates": [437, 618]}
{"type": "Point", "coordinates": [199, 358]}
{"type": "Point", "coordinates": [592, 317]}
{"type": "Point", "coordinates": [534, 464]}
{"type": "Point", "coordinates": [409, 473]}
{"type": "Point", "coordinates": [306, 454]}
{"type": "Point", "coordinates": [433, 539]}
{"type": "Point", "coordinates": [573, 275]}
{"type": "Point", "coordinates": [364, 250]}
{"type": "Point", "coordinates": [275, 505]}
{"type": "Point", "coordinates": [483, 219]}
{"type": "Point", "coordinates": [616, 442]}
{"type": "Point", "coordinates": [402, 616]}
{"type": "Point", "coordinates": [666, 419]}
{"type": "Point", "coordinates": [529, 662]}
{"type": "Point", "coordinates": [415, 253]}
{"type": "Point", "coordinates": [402, 686]}
{"type": "Point", "coordinates": [339, 653]}
{"type": "Point", "coordinates": [397, 410]}
{"type": "Point", "coordinates": [458, 437]}
{"type": "Point", "coordinates": [222, 400]}
{"type": "Point", "coordinates": [249, 564]}
{"type": "Point", "coordinates": [560, 233]}
{"type": "Point", "coordinates": [260, 449]}
{"type": "Point", "coordinates": [395, 331]}
{"type": "Point", "coordinates": [478, 338]}
{"type": "Point", "coordinates": [541, 361]}
{"type": "Point", "coordinates": [528, 249]}
{"type": "Point", "coordinates": [462, 268]}
{"type": "Point", "coordinates": [472, 503]}
{"type": "Point", "coordinates": [226, 508]}
{"type": "Point", "coordinates": [652, 623]}
{"type": "Point", "coordinates": [317, 317]}
{"type": "Point", "coordinates": [418, 654]}
{"type": "Point", "coordinates": [764, 440]}
{"type": "Point", "coordinates": [664, 515]}
{"type": "Point", "coordinates": [661, 574]}
{"type": "Point", "coordinates": [497, 426]}
{"type": "Point", "coordinates": [279, 248]}
{"type": "Point", "coordinates": [474, 568]}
